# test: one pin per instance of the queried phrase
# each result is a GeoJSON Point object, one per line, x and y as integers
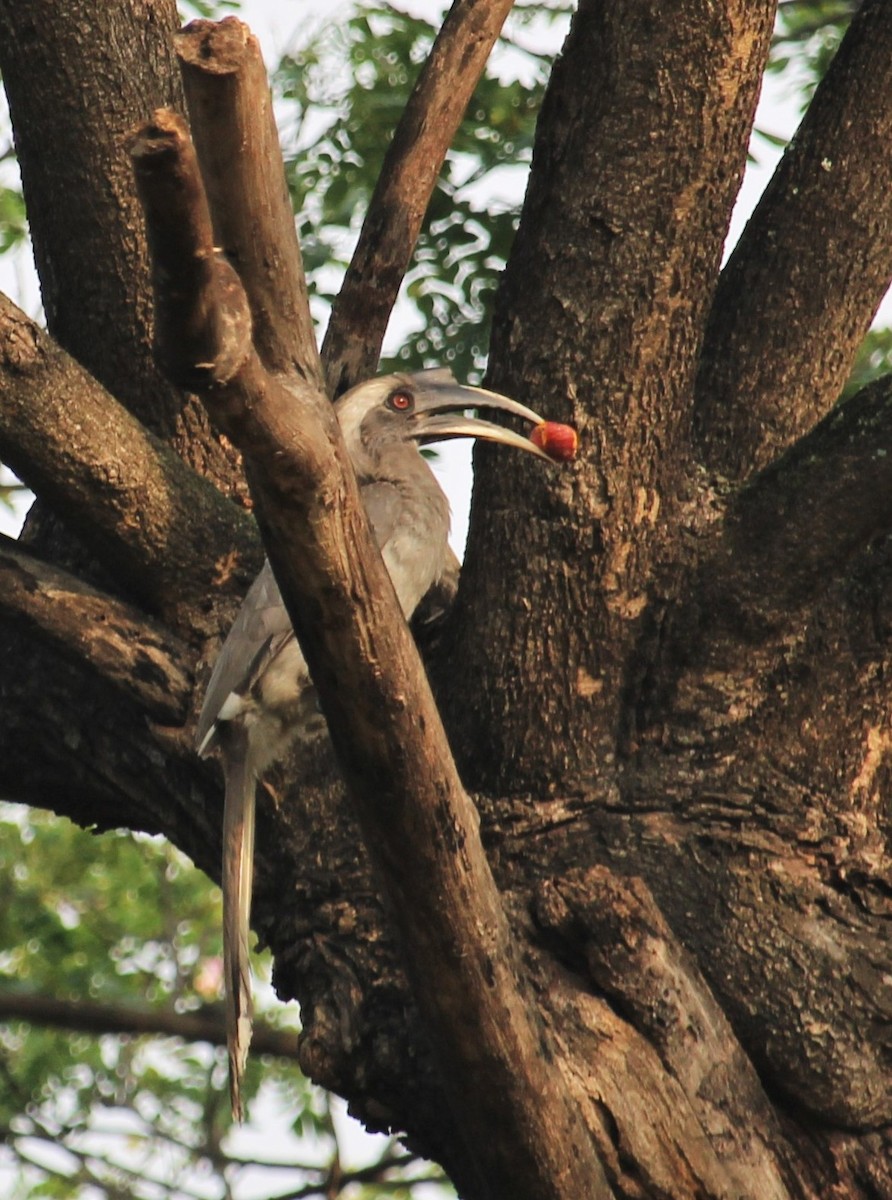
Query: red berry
{"type": "Point", "coordinates": [559, 442]}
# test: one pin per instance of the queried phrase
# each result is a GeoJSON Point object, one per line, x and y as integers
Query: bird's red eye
{"type": "Point", "coordinates": [401, 401]}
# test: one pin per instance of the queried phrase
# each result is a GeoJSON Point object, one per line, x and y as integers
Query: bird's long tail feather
{"type": "Point", "coordinates": [238, 866]}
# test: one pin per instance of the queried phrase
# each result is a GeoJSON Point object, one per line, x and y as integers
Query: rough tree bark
{"type": "Point", "coordinates": [666, 689]}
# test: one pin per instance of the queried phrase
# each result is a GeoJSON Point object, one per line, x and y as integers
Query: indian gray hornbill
{"type": "Point", "coordinates": [260, 697]}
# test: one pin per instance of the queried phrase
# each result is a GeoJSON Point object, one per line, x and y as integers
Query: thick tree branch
{"type": "Point", "coordinates": [141, 658]}
{"type": "Point", "coordinates": [421, 828]}
{"type": "Point", "coordinates": [626, 948]}
{"type": "Point", "coordinates": [95, 758]}
{"type": "Point", "coordinates": [229, 100]}
{"type": "Point", "coordinates": [205, 1025]}
{"type": "Point", "coordinates": [148, 518]}
{"type": "Point", "coordinates": [800, 290]}
{"type": "Point", "coordinates": [408, 175]}
{"type": "Point", "coordinates": [63, 158]}
{"type": "Point", "coordinates": [794, 529]}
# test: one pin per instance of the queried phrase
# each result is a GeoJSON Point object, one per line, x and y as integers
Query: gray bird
{"type": "Point", "coordinates": [260, 698]}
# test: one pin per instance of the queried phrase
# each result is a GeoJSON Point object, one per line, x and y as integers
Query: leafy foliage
{"type": "Point", "coordinates": [210, 10]}
{"type": "Point", "coordinates": [807, 36]}
{"type": "Point", "coordinates": [64, 896]}
{"type": "Point", "coordinates": [126, 919]}
{"type": "Point", "coordinates": [340, 124]}
{"type": "Point", "coordinates": [874, 359]}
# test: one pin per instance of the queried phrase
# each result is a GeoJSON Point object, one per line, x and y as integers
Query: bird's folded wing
{"type": "Point", "coordinates": [257, 631]}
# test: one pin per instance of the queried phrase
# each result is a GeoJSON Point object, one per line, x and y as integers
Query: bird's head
{"type": "Point", "coordinates": [424, 406]}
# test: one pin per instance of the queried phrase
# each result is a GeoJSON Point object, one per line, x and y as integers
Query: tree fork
{"type": "Point", "coordinates": [799, 291]}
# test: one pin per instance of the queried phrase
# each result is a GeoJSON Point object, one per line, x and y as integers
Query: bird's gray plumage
{"type": "Point", "coordinates": [260, 698]}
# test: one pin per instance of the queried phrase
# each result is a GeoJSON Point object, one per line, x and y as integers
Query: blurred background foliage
{"type": "Point", "coordinates": [806, 37]}
{"type": "Point", "coordinates": [342, 94]}
{"type": "Point", "coordinates": [127, 921]}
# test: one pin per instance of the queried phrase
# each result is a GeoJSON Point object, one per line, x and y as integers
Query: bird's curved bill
{"type": "Point", "coordinates": [440, 414]}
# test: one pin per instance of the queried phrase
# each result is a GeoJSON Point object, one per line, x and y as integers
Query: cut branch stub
{"type": "Point", "coordinates": [202, 320]}
{"type": "Point", "coordinates": [231, 113]}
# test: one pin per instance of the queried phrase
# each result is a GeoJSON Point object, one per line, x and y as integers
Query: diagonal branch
{"type": "Point", "coordinates": [408, 174]}
{"type": "Point", "coordinates": [141, 658]}
{"type": "Point", "coordinates": [418, 823]}
{"type": "Point", "coordinates": [229, 100]}
{"type": "Point", "coordinates": [794, 529]}
{"type": "Point", "coordinates": [800, 290]}
{"type": "Point", "coordinates": [146, 516]}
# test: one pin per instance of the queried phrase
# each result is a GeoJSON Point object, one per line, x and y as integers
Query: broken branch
{"type": "Point", "coordinates": [237, 142]}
